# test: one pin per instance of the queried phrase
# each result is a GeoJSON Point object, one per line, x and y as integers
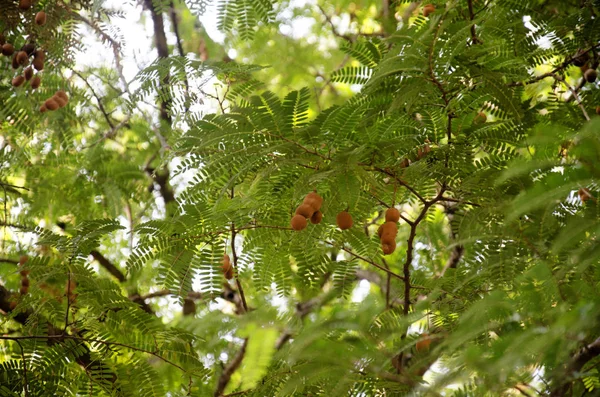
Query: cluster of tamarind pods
{"type": "Point", "coordinates": [309, 209]}
{"type": "Point", "coordinates": [58, 100]}
{"type": "Point", "coordinates": [389, 230]}
{"type": "Point", "coordinates": [21, 57]}
{"type": "Point", "coordinates": [52, 291]}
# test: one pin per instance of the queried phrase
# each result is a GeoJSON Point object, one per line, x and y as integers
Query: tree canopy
{"type": "Point", "coordinates": [299, 198]}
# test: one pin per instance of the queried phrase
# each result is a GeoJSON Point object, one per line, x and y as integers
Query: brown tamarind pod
{"type": "Point", "coordinates": [404, 163]}
{"type": "Point", "coordinates": [51, 104]}
{"type": "Point", "coordinates": [306, 210]}
{"type": "Point", "coordinates": [29, 49]}
{"type": "Point", "coordinates": [314, 200]}
{"type": "Point", "coordinates": [23, 290]}
{"type": "Point", "coordinates": [15, 63]}
{"type": "Point", "coordinates": [2, 39]}
{"type": "Point", "coordinates": [422, 151]}
{"type": "Point", "coordinates": [388, 239]}
{"type": "Point", "coordinates": [316, 218]}
{"type": "Point", "coordinates": [35, 82]}
{"type": "Point", "coordinates": [392, 215]}
{"type": "Point", "coordinates": [18, 81]}
{"type": "Point", "coordinates": [597, 109]}
{"type": "Point", "coordinates": [229, 274]}
{"type": "Point", "coordinates": [298, 222]}
{"type": "Point", "coordinates": [43, 109]}
{"type": "Point", "coordinates": [344, 220]}
{"type": "Point", "coordinates": [8, 49]}
{"type": "Point", "coordinates": [25, 282]}
{"type": "Point", "coordinates": [38, 60]}
{"type": "Point", "coordinates": [62, 94]}
{"type": "Point", "coordinates": [22, 58]}
{"type": "Point", "coordinates": [428, 9]}
{"type": "Point", "coordinates": [40, 54]}
{"type": "Point", "coordinates": [60, 101]}
{"type": "Point", "coordinates": [22, 261]}
{"type": "Point", "coordinates": [38, 64]}
{"type": "Point", "coordinates": [590, 75]}
{"type": "Point", "coordinates": [24, 5]}
{"type": "Point", "coordinates": [40, 18]}
{"type": "Point", "coordinates": [388, 248]}
{"type": "Point", "coordinates": [584, 194]}
{"type": "Point", "coordinates": [423, 343]}
{"type": "Point", "coordinates": [481, 118]}
{"type": "Point", "coordinates": [389, 229]}
{"type": "Point", "coordinates": [226, 263]}
{"type": "Point", "coordinates": [28, 73]}
{"type": "Point", "coordinates": [12, 305]}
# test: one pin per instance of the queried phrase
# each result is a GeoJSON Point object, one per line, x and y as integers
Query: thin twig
{"type": "Point", "coordinates": [235, 262]}
{"type": "Point", "coordinates": [333, 28]}
{"type": "Point", "coordinates": [14, 186]}
{"type": "Point", "coordinates": [116, 47]}
{"type": "Point", "coordinates": [100, 104]}
{"type": "Point", "coordinates": [401, 183]}
{"type": "Point", "coordinates": [387, 285]}
{"type": "Point", "coordinates": [91, 340]}
{"type": "Point", "coordinates": [26, 383]}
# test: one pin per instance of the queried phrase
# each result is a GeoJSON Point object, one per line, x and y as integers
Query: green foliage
{"type": "Point", "coordinates": [473, 122]}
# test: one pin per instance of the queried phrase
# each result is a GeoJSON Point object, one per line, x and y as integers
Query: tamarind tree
{"type": "Point", "coordinates": [299, 198]}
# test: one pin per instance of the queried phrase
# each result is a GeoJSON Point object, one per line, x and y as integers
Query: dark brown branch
{"type": "Point", "coordinates": [430, 62]}
{"type": "Point", "coordinates": [410, 249]}
{"type": "Point", "coordinates": [474, 39]}
{"type": "Point", "coordinates": [175, 23]}
{"type": "Point", "coordinates": [90, 340]}
{"type": "Point", "coordinates": [557, 69]}
{"type": "Point", "coordinates": [577, 362]}
{"type": "Point", "coordinates": [108, 265]}
{"type": "Point", "coordinates": [114, 270]}
{"type": "Point", "coordinates": [15, 225]}
{"type": "Point", "coordinates": [401, 183]}
{"type": "Point", "coordinates": [366, 260]}
{"type": "Point", "coordinates": [235, 266]}
{"type": "Point", "coordinates": [453, 200]}
{"type": "Point", "coordinates": [230, 369]}
{"type": "Point", "coordinates": [14, 186]}
{"type": "Point", "coordinates": [160, 41]}
{"type": "Point", "coordinates": [84, 359]}
{"type": "Point", "coordinates": [7, 260]}
{"type": "Point", "coordinates": [100, 104]}
{"type": "Point", "coordinates": [165, 292]}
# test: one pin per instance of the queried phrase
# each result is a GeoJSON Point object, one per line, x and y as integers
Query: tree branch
{"type": "Point", "coordinates": [111, 268]}
{"type": "Point", "coordinates": [577, 362]}
{"type": "Point", "coordinates": [474, 39]}
{"type": "Point", "coordinates": [235, 263]}
{"type": "Point", "coordinates": [230, 369]}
